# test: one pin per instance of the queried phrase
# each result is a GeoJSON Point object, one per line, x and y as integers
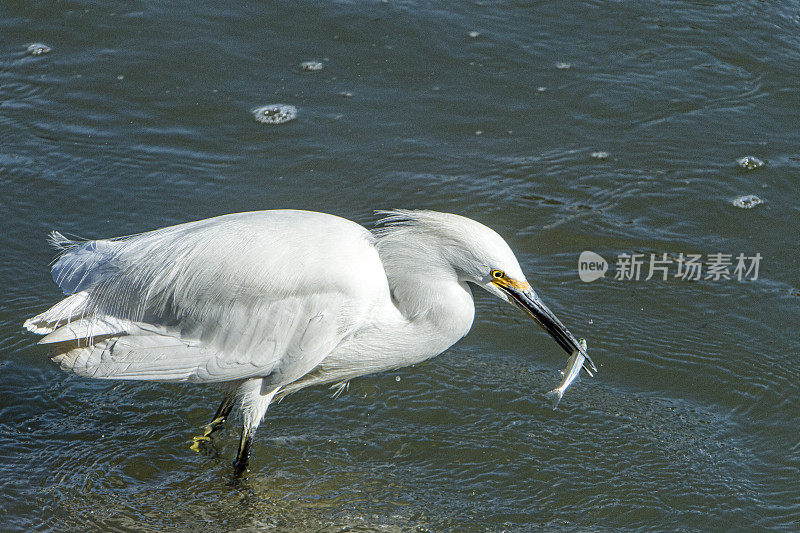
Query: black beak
{"type": "Point", "coordinates": [530, 303]}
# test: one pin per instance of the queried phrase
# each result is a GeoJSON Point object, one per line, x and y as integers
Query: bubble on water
{"type": "Point", "coordinates": [311, 66]}
{"type": "Point", "coordinates": [474, 34]}
{"type": "Point", "coordinates": [600, 155]}
{"type": "Point", "coordinates": [38, 49]}
{"type": "Point", "coordinates": [563, 66]}
{"type": "Point", "coordinates": [747, 202]}
{"type": "Point", "coordinates": [397, 378]}
{"type": "Point", "coordinates": [749, 162]}
{"type": "Point", "coordinates": [275, 113]}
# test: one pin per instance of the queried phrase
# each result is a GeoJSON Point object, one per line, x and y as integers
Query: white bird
{"type": "Point", "coordinates": [271, 302]}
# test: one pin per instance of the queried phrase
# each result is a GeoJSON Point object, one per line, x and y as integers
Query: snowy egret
{"type": "Point", "coordinates": [270, 302]}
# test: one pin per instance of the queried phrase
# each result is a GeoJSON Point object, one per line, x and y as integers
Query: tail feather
{"type": "Point", "coordinates": [64, 312]}
{"type": "Point", "coordinates": [88, 328]}
{"type": "Point", "coordinates": [555, 396]}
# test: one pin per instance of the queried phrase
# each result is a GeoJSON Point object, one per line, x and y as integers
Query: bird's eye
{"type": "Point", "coordinates": [498, 274]}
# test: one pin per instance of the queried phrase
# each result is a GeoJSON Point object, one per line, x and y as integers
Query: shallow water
{"type": "Point", "coordinates": [141, 116]}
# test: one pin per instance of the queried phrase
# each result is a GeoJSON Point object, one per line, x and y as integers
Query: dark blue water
{"type": "Point", "coordinates": [140, 116]}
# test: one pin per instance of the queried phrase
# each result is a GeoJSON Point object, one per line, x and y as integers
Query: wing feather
{"type": "Point", "coordinates": [238, 296]}
{"type": "Point", "coordinates": [142, 357]}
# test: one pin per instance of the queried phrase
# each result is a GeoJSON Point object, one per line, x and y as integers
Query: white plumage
{"type": "Point", "coordinates": [273, 301]}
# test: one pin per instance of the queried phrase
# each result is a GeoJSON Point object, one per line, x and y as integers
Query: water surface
{"type": "Point", "coordinates": [140, 116]}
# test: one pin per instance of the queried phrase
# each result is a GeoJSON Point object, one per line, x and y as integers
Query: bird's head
{"type": "Point", "coordinates": [480, 256]}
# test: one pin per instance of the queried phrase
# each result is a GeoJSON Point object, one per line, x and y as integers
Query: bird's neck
{"type": "Point", "coordinates": [436, 305]}
{"type": "Point", "coordinates": [434, 317]}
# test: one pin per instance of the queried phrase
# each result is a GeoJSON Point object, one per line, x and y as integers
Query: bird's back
{"type": "Point", "coordinates": [279, 245]}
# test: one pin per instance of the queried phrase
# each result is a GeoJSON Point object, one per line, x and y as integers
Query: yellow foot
{"type": "Point", "coordinates": [205, 437]}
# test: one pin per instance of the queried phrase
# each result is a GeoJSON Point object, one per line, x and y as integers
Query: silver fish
{"type": "Point", "coordinates": [574, 365]}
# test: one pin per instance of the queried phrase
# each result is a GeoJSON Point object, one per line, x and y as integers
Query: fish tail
{"type": "Point", "coordinates": [555, 396]}
{"type": "Point", "coordinates": [588, 365]}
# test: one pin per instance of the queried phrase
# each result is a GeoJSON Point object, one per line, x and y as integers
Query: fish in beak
{"type": "Point", "coordinates": [523, 296]}
{"type": "Point", "coordinates": [574, 364]}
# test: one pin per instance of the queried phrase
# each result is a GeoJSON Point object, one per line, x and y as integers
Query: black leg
{"type": "Point", "coordinates": [254, 405]}
{"type": "Point", "coordinates": [222, 413]}
{"type": "Point", "coordinates": [243, 457]}
{"type": "Point", "coordinates": [216, 424]}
